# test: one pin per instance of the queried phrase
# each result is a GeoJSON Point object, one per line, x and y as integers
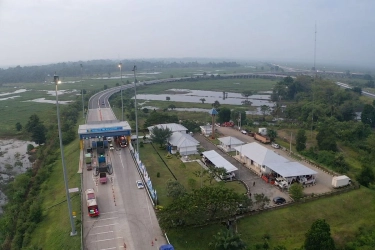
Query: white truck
{"type": "Point", "coordinates": [340, 181]}
{"type": "Point", "coordinates": [281, 182]}
{"type": "Point", "coordinates": [305, 180]}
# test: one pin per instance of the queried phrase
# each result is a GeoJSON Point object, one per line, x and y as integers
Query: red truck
{"type": "Point", "coordinates": [92, 205]}
{"type": "Point", "coordinates": [122, 141]}
{"type": "Point", "coordinates": [262, 138]}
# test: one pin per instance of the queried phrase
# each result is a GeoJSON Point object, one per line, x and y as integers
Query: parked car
{"type": "Point", "coordinates": [275, 145]}
{"type": "Point", "coordinates": [278, 200]}
{"type": "Point", "coordinates": [139, 184]}
{"type": "Point", "coordinates": [244, 132]}
{"type": "Point", "coordinates": [111, 146]}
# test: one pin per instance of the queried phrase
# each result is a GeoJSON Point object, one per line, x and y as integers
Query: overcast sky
{"type": "Point", "coordinates": [46, 31]}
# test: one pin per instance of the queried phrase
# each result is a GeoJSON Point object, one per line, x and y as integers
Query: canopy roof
{"type": "Point", "coordinates": [219, 161]}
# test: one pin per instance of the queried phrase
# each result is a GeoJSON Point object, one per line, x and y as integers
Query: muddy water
{"type": "Point", "coordinates": [194, 96]}
{"type": "Point", "coordinates": [13, 161]}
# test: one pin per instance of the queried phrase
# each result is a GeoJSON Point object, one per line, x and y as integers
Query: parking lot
{"type": "Point", "coordinates": [323, 179]}
{"type": "Point", "coordinates": [253, 181]}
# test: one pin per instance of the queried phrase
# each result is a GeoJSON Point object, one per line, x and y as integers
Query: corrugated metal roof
{"type": "Point", "coordinates": [174, 127]}
{"type": "Point", "coordinates": [277, 163]}
{"type": "Point", "coordinates": [259, 154]}
{"type": "Point", "coordinates": [219, 161]}
{"type": "Point", "coordinates": [182, 140]}
{"type": "Point", "coordinates": [292, 168]}
{"type": "Point", "coordinates": [230, 140]}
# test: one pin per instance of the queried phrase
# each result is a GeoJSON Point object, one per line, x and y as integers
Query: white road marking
{"type": "Point", "coordinates": [107, 239]}
{"type": "Point", "coordinates": [104, 219]}
{"type": "Point", "coordinates": [102, 233]}
{"type": "Point", "coordinates": [106, 225]}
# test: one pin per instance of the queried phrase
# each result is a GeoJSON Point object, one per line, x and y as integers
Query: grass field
{"type": "Point", "coordinates": [287, 226]}
{"type": "Point", "coordinates": [54, 231]}
{"type": "Point", "coordinates": [182, 171]}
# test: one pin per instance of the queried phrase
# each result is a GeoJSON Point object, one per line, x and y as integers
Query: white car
{"type": "Point", "coordinates": [139, 184]}
{"type": "Point", "coordinates": [244, 132]}
{"type": "Point", "coordinates": [109, 139]}
{"type": "Point", "coordinates": [275, 145]}
{"type": "Point", "coordinates": [111, 146]}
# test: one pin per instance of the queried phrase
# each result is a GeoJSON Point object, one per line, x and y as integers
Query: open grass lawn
{"type": "Point", "coordinates": [182, 171]}
{"type": "Point", "coordinates": [54, 230]}
{"type": "Point", "coordinates": [229, 85]}
{"type": "Point", "coordinates": [16, 111]}
{"type": "Point", "coordinates": [287, 226]}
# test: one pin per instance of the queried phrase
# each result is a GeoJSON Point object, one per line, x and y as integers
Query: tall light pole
{"type": "Point", "coordinates": [83, 103]}
{"type": "Point", "coordinates": [73, 232]}
{"type": "Point", "coordinates": [122, 100]}
{"type": "Point", "coordinates": [135, 106]}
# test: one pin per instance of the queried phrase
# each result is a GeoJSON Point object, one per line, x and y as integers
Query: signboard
{"type": "Point", "coordinates": [96, 130]}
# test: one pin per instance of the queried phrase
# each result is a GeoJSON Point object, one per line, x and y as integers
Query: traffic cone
{"type": "Point", "coordinates": [156, 239]}
{"type": "Point", "coordinates": [152, 243]}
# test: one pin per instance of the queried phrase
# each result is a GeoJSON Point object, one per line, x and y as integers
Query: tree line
{"type": "Point", "coordinates": [93, 68]}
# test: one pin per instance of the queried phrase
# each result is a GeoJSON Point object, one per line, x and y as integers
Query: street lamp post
{"type": "Point", "coordinates": [73, 232]}
{"type": "Point", "coordinates": [135, 106]}
{"type": "Point", "coordinates": [83, 103]}
{"type": "Point", "coordinates": [122, 100]}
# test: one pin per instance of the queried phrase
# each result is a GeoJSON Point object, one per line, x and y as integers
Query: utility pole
{"type": "Point", "coordinates": [290, 143]}
{"type": "Point", "coordinates": [122, 99]}
{"type": "Point", "coordinates": [135, 106]}
{"type": "Point", "coordinates": [83, 103]}
{"type": "Point", "coordinates": [312, 89]}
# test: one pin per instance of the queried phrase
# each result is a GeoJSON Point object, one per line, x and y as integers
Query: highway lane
{"type": "Point", "coordinates": [127, 215]}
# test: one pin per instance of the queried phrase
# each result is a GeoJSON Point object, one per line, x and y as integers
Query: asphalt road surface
{"type": "Point", "coordinates": [126, 212]}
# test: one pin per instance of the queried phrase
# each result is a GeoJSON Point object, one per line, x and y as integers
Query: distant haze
{"type": "Point", "coordinates": [46, 31]}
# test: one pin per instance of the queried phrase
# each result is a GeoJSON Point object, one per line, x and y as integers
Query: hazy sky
{"type": "Point", "coordinates": [45, 31]}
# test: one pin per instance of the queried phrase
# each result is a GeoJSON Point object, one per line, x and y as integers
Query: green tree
{"type": "Point", "coordinates": [261, 200]}
{"type": "Point", "coordinates": [32, 123]}
{"type": "Point", "coordinates": [202, 100]}
{"type": "Point", "coordinates": [319, 236]}
{"type": "Point", "coordinates": [215, 172]}
{"type": "Point", "coordinates": [18, 126]}
{"type": "Point", "coordinates": [172, 106]}
{"type": "Point", "coordinates": [159, 118]}
{"type": "Point", "coordinates": [160, 135]}
{"type": "Point", "coordinates": [224, 115]}
{"type": "Point", "coordinates": [368, 115]}
{"type": "Point", "coordinates": [296, 191]}
{"type": "Point", "coordinates": [200, 206]}
{"type": "Point", "coordinates": [326, 136]}
{"type": "Point", "coordinates": [145, 110]}
{"type": "Point", "coordinates": [175, 189]}
{"type": "Point", "coordinates": [167, 98]}
{"type": "Point", "coordinates": [216, 104]}
{"type": "Point", "coordinates": [105, 87]}
{"type": "Point", "coordinates": [272, 134]}
{"type": "Point", "coordinates": [30, 147]}
{"type": "Point", "coordinates": [39, 134]}
{"type": "Point", "coordinates": [366, 176]}
{"type": "Point", "coordinates": [192, 126]}
{"type": "Point", "coordinates": [227, 239]}
{"type": "Point", "coordinates": [264, 109]}
{"type": "Point", "coordinates": [235, 115]}
{"type": "Point", "coordinates": [301, 140]}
